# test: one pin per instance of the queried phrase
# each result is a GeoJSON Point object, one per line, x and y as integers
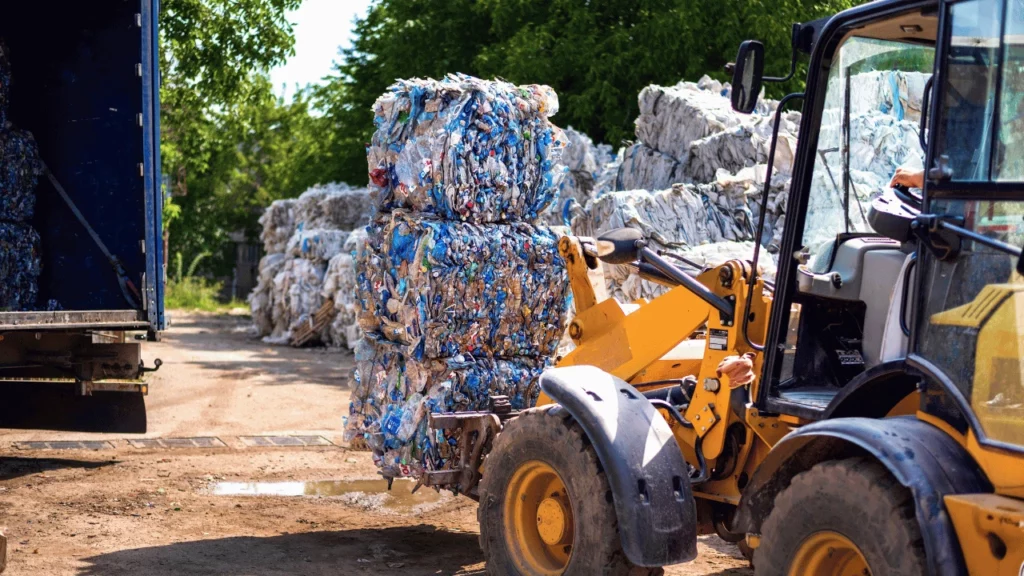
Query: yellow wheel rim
{"type": "Point", "coordinates": [539, 522]}
{"type": "Point", "coordinates": [828, 553]}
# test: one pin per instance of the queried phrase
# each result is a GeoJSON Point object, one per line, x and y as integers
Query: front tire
{"type": "Point", "coordinates": [842, 517]}
{"type": "Point", "coordinates": [545, 505]}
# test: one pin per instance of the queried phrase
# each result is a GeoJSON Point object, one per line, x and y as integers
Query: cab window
{"type": "Point", "coordinates": [971, 320]}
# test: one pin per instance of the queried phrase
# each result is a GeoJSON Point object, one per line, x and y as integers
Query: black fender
{"type": "Point", "coordinates": [645, 468]}
{"type": "Point", "coordinates": [872, 393]}
{"type": "Point", "coordinates": [920, 456]}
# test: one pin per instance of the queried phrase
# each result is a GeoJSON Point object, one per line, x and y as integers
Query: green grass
{"type": "Point", "coordinates": [186, 291]}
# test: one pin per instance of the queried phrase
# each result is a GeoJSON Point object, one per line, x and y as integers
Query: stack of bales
{"type": "Point", "coordinates": [306, 241]}
{"type": "Point", "coordinates": [693, 181]}
{"type": "Point", "coordinates": [20, 169]}
{"type": "Point", "coordinates": [462, 296]}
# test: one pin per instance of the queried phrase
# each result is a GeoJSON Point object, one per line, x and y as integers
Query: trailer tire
{"type": "Point", "coordinates": [549, 439]}
{"type": "Point", "coordinates": [856, 499]}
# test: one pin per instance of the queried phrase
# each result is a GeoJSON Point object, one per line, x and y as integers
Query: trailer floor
{"type": "Point", "coordinates": [135, 507]}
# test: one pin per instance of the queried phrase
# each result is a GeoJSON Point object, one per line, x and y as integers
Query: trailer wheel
{"type": "Point", "coordinates": [545, 505]}
{"type": "Point", "coordinates": [842, 517]}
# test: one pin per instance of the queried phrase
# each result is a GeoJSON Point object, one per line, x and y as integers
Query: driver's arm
{"type": "Point", "coordinates": [908, 178]}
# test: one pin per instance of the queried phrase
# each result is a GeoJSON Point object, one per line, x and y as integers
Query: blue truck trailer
{"type": "Point", "coordinates": [86, 85]}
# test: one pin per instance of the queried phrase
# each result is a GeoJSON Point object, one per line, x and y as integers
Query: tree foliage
{"type": "Point", "coordinates": [597, 54]}
{"type": "Point", "coordinates": [229, 146]}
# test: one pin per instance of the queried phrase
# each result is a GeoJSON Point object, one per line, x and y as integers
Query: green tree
{"type": "Point", "coordinates": [597, 54]}
{"type": "Point", "coordinates": [226, 140]}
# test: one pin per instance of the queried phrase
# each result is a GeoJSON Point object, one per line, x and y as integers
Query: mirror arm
{"type": "Point", "coordinates": [764, 206]}
{"type": "Point", "coordinates": [792, 59]}
{"type": "Point", "coordinates": [683, 279]}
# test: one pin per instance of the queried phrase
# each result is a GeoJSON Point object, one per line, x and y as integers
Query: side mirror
{"type": "Point", "coordinates": [620, 246]}
{"type": "Point", "coordinates": [747, 76]}
{"type": "Point", "coordinates": [1020, 264]}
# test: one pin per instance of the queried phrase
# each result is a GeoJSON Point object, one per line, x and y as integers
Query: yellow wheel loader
{"type": "Point", "coordinates": [864, 413]}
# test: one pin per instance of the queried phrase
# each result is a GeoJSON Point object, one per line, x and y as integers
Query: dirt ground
{"type": "Point", "coordinates": [157, 510]}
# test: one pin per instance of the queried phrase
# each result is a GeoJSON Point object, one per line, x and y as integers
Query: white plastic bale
{"type": "Point", "coordinates": [893, 92]}
{"type": "Point", "coordinates": [333, 207]}
{"type": "Point", "coordinates": [261, 300]}
{"type": "Point", "coordinates": [317, 244]}
{"type": "Point", "coordinates": [278, 222]}
{"type": "Point", "coordinates": [644, 168]}
{"type": "Point", "coordinates": [742, 146]}
{"type": "Point", "coordinates": [673, 117]}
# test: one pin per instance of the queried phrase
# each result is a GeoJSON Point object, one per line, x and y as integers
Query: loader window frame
{"type": "Point", "coordinates": [915, 23]}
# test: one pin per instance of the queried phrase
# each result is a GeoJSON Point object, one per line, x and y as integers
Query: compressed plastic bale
{"type": "Point", "coordinates": [673, 117]}
{"type": "Point", "coordinates": [645, 168]}
{"type": "Point", "coordinates": [261, 300]}
{"type": "Point", "coordinates": [20, 169]}
{"type": "Point", "coordinates": [5, 82]}
{"type": "Point", "coordinates": [892, 92]}
{"type": "Point", "coordinates": [442, 288]}
{"type": "Point", "coordinates": [317, 244]}
{"type": "Point", "coordinates": [20, 266]}
{"type": "Point", "coordinates": [333, 207]}
{"type": "Point", "coordinates": [742, 146]}
{"type": "Point", "coordinates": [278, 222]}
{"type": "Point", "coordinates": [303, 294]}
{"type": "Point", "coordinates": [393, 394]}
{"type": "Point", "coordinates": [341, 286]}
{"type": "Point", "coordinates": [466, 149]}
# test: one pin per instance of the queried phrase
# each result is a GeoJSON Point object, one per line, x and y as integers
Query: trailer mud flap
{"type": "Point", "coordinates": [645, 467]}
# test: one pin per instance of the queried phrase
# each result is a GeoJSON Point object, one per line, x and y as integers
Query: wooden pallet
{"type": "Point", "coordinates": [315, 327]}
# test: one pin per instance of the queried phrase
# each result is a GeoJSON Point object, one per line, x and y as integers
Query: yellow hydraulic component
{"type": "Point", "coordinates": [538, 520]}
{"type": "Point", "coordinates": [991, 532]}
{"type": "Point", "coordinates": [828, 553]}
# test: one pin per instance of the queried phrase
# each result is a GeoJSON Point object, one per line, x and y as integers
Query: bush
{"type": "Point", "coordinates": [191, 293]}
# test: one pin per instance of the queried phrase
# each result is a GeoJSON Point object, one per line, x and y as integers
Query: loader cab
{"type": "Point", "coordinates": [869, 312]}
{"type": "Point", "coordinates": [841, 296]}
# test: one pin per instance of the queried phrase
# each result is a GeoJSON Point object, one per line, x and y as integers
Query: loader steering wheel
{"type": "Point", "coordinates": [907, 197]}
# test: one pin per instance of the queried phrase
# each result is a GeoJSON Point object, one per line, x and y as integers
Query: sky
{"type": "Point", "coordinates": [321, 28]}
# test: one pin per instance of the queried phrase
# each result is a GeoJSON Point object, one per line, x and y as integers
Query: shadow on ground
{"type": "Point", "coordinates": [409, 551]}
{"type": "Point", "coordinates": [11, 468]}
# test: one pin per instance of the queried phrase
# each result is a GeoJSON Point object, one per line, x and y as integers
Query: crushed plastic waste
{"type": "Point", "coordinates": [394, 393]}
{"type": "Point", "coordinates": [5, 81]}
{"type": "Point", "coordinates": [278, 222]}
{"type": "Point", "coordinates": [301, 237]}
{"type": "Point", "coordinates": [463, 148]}
{"type": "Point", "coordinates": [20, 266]}
{"type": "Point", "coordinates": [317, 244]}
{"type": "Point", "coordinates": [341, 286]}
{"type": "Point", "coordinates": [20, 169]}
{"type": "Point", "coordinates": [442, 288]}
{"type": "Point", "coordinates": [462, 295]}
{"type": "Point", "coordinates": [336, 206]}
{"type": "Point", "coordinates": [585, 163]}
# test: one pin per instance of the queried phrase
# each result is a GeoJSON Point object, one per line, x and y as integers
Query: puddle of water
{"type": "Point", "coordinates": [368, 494]}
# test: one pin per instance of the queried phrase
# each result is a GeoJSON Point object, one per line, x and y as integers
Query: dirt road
{"type": "Point", "coordinates": [129, 506]}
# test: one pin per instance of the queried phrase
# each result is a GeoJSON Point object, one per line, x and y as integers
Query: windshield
{"type": "Point", "coordinates": [869, 128]}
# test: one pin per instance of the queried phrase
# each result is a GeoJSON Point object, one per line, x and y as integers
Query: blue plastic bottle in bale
{"type": "Point", "coordinates": [394, 393]}
{"type": "Point", "coordinates": [468, 149]}
{"type": "Point", "coordinates": [20, 169]}
{"type": "Point", "coordinates": [20, 267]}
{"type": "Point", "coordinates": [441, 288]}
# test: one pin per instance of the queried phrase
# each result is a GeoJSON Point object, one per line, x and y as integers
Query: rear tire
{"type": "Point", "coordinates": [553, 438]}
{"type": "Point", "coordinates": [857, 499]}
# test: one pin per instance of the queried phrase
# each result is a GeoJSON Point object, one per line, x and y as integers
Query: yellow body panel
{"type": "Point", "coordinates": [991, 532]}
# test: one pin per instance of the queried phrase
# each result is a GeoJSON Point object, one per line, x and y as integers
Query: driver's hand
{"type": "Point", "coordinates": [908, 178]}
